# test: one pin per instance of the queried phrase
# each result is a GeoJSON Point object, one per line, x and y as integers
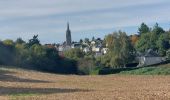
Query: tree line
{"type": "Point", "coordinates": [33, 55]}
{"type": "Point", "coordinates": [122, 50]}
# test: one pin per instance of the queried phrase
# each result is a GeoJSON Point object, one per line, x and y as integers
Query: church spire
{"type": "Point", "coordinates": [68, 35]}
{"type": "Point", "coordinates": [68, 27]}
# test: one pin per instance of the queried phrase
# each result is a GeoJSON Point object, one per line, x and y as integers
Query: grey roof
{"type": "Point", "coordinates": [148, 53]}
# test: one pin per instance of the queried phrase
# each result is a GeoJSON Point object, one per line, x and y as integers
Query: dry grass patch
{"type": "Point", "coordinates": [20, 84]}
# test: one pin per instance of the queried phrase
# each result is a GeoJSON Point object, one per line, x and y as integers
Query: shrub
{"type": "Point", "coordinates": [85, 66]}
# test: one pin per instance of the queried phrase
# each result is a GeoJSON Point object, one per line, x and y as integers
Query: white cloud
{"type": "Point", "coordinates": [18, 17]}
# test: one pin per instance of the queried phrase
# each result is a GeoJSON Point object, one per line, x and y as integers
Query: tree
{"type": "Point", "coordinates": [33, 41]}
{"type": "Point", "coordinates": [134, 39]}
{"type": "Point", "coordinates": [7, 52]}
{"type": "Point", "coordinates": [120, 50]}
{"type": "Point", "coordinates": [157, 29]}
{"type": "Point", "coordinates": [81, 41]}
{"type": "Point", "coordinates": [104, 43]}
{"type": "Point", "coordinates": [74, 54]}
{"type": "Point", "coordinates": [163, 43]}
{"type": "Point", "coordinates": [85, 66]}
{"type": "Point", "coordinates": [109, 40]}
{"type": "Point", "coordinates": [154, 40]}
{"type": "Point", "coordinates": [146, 42]}
{"type": "Point", "coordinates": [127, 50]}
{"type": "Point", "coordinates": [143, 29]}
{"type": "Point", "coordinates": [8, 42]}
{"type": "Point", "coordinates": [19, 41]}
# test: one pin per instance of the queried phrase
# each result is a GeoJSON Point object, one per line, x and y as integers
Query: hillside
{"type": "Point", "coordinates": [151, 70]}
{"type": "Point", "coordinates": [19, 84]}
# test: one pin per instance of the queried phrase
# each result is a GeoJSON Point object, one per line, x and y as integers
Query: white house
{"type": "Point", "coordinates": [86, 49]}
{"type": "Point", "coordinates": [150, 58]}
{"type": "Point", "coordinates": [93, 43]}
{"type": "Point", "coordinates": [104, 50]}
{"type": "Point", "coordinates": [96, 49]}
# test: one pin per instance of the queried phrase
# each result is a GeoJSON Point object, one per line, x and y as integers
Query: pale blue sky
{"type": "Point", "coordinates": [88, 18]}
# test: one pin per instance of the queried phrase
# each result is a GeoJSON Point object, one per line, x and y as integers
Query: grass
{"type": "Point", "coordinates": [154, 70]}
{"type": "Point", "coordinates": [21, 96]}
{"type": "Point", "coordinates": [95, 71]}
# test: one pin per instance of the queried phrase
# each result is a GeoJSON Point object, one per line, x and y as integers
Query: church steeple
{"type": "Point", "coordinates": [68, 35]}
{"type": "Point", "coordinates": [68, 27]}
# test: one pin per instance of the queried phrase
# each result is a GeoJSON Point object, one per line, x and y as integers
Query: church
{"type": "Point", "coordinates": [68, 36]}
{"type": "Point", "coordinates": [67, 44]}
{"type": "Point", "coordinates": [94, 45]}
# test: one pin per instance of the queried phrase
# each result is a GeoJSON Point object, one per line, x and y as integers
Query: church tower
{"type": "Point", "coordinates": [68, 35]}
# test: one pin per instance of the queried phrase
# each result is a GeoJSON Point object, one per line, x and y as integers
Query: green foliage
{"type": "Point", "coordinates": [36, 57]}
{"type": "Point", "coordinates": [157, 29]}
{"type": "Point", "coordinates": [85, 62]}
{"type": "Point", "coordinates": [74, 54]}
{"type": "Point", "coordinates": [163, 43]}
{"type": "Point", "coordinates": [147, 41]}
{"type": "Point", "coordinates": [19, 41]}
{"type": "Point", "coordinates": [157, 39]}
{"type": "Point", "coordinates": [109, 39]}
{"type": "Point", "coordinates": [103, 60]}
{"type": "Point", "coordinates": [120, 53]}
{"type": "Point", "coordinates": [120, 50]}
{"type": "Point", "coordinates": [168, 54]}
{"type": "Point", "coordinates": [33, 41]}
{"type": "Point", "coordinates": [165, 70]}
{"type": "Point", "coordinates": [143, 29]}
{"type": "Point", "coordinates": [7, 52]}
{"type": "Point", "coordinates": [86, 66]}
{"type": "Point", "coordinates": [8, 42]}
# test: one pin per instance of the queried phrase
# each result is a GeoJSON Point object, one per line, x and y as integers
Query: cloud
{"type": "Point", "coordinates": [48, 18]}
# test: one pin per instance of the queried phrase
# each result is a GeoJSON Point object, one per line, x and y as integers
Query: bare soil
{"type": "Point", "coordinates": [18, 84]}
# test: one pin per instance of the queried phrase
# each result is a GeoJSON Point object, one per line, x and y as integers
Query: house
{"type": "Point", "coordinates": [104, 50]}
{"type": "Point", "coordinates": [63, 48]}
{"type": "Point", "coordinates": [96, 49]}
{"type": "Point", "coordinates": [76, 45]}
{"type": "Point", "coordinates": [93, 43]}
{"type": "Point", "coordinates": [150, 58]}
{"type": "Point", "coordinates": [86, 49]}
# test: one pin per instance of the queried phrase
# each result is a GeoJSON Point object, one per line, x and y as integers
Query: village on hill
{"type": "Point", "coordinates": [99, 47]}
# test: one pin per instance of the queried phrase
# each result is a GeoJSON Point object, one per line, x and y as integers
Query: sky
{"type": "Point", "coordinates": [87, 18]}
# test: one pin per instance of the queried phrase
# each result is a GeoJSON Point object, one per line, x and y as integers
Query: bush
{"type": "Point", "coordinates": [7, 54]}
{"type": "Point", "coordinates": [85, 66]}
{"type": "Point", "coordinates": [74, 54]}
{"type": "Point", "coordinates": [168, 54]}
{"type": "Point", "coordinates": [36, 57]}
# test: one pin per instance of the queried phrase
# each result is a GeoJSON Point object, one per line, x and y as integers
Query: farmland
{"type": "Point", "coordinates": [19, 84]}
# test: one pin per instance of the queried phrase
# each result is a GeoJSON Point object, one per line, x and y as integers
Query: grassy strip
{"type": "Point", "coordinates": [155, 70]}
{"type": "Point", "coordinates": [18, 96]}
